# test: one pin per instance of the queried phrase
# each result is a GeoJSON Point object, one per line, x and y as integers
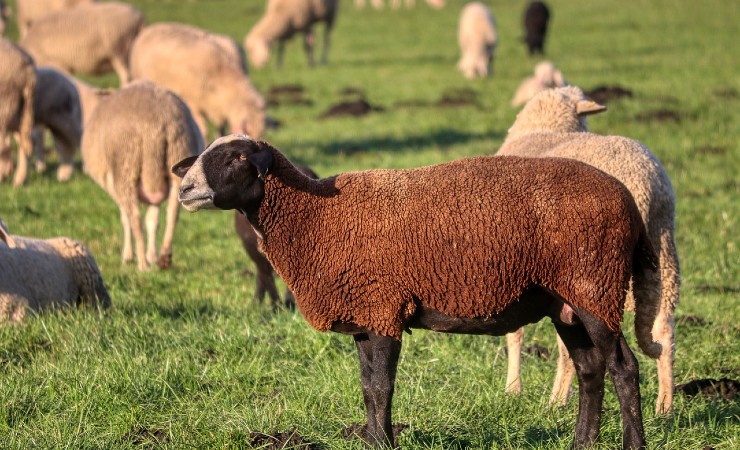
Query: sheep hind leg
{"type": "Point", "coordinates": [133, 226]}
{"type": "Point", "coordinates": [514, 354]}
{"type": "Point", "coordinates": [663, 329]}
{"type": "Point", "coordinates": [563, 376]}
{"type": "Point", "coordinates": [378, 364]}
{"type": "Point", "coordinates": [171, 216]}
{"type": "Point", "coordinates": [152, 223]}
{"type": "Point", "coordinates": [590, 368]}
{"type": "Point", "coordinates": [309, 41]}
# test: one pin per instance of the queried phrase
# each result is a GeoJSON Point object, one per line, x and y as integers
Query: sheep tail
{"type": "Point", "coordinates": [86, 274]}
{"type": "Point", "coordinates": [646, 288]}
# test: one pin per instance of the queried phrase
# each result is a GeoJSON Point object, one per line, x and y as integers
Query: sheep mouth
{"type": "Point", "coordinates": [193, 204]}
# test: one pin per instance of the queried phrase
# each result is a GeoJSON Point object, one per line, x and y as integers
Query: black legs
{"type": "Point", "coordinates": [596, 349]}
{"type": "Point", "coordinates": [378, 363]}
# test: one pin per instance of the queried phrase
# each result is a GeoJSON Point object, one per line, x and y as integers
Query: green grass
{"type": "Point", "coordinates": [187, 358]}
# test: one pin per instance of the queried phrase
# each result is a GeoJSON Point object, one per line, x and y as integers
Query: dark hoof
{"type": "Point", "coordinates": [165, 261]}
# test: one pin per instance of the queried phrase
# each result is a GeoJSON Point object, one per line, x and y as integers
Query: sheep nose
{"type": "Point", "coordinates": [184, 189]}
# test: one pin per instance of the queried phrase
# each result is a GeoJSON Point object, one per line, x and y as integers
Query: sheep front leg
{"type": "Point", "coordinates": [309, 40]}
{"type": "Point", "coordinates": [378, 364]}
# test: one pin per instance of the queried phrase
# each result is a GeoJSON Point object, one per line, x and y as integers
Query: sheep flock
{"type": "Point", "coordinates": [558, 222]}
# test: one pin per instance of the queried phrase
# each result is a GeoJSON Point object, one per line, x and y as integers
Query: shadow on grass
{"type": "Point", "coordinates": [444, 137]}
{"type": "Point", "coordinates": [535, 437]}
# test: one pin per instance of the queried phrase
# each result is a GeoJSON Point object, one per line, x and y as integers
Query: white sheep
{"type": "Point", "coordinates": [552, 124]}
{"type": "Point", "coordinates": [89, 96]}
{"type": "Point", "coordinates": [17, 85]}
{"type": "Point", "coordinates": [134, 136]}
{"type": "Point", "coordinates": [478, 39]}
{"type": "Point", "coordinates": [31, 10]}
{"type": "Point", "coordinates": [90, 39]}
{"type": "Point", "coordinates": [546, 76]}
{"type": "Point", "coordinates": [284, 18]}
{"type": "Point", "coordinates": [396, 4]}
{"type": "Point", "coordinates": [40, 274]}
{"type": "Point", "coordinates": [56, 107]}
{"type": "Point", "coordinates": [206, 70]}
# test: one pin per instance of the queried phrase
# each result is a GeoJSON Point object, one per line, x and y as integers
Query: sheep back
{"type": "Point", "coordinates": [134, 136]}
{"type": "Point", "coordinates": [86, 39]}
{"type": "Point", "coordinates": [465, 238]}
{"type": "Point", "coordinates": [30, 10]}
{"type": "Point", "coordinates": [207, 70]}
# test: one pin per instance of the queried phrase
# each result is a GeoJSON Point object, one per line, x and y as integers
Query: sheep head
{"type": "Point", "coordinates": [229, 174]}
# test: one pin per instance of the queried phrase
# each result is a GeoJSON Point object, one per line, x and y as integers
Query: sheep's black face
{"type": "Point", "coordinates": [225, 176]}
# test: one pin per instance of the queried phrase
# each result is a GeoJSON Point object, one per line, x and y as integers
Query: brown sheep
{"type": "Point", "coordinates": [264, 276]}
{"type": "Point", "coordinates": [477, 246]}
{"type": "Point", "coordinates": [17, 86]}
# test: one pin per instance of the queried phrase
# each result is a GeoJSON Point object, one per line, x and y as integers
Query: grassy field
{"type": "Point", "coordinates": [187, 358]}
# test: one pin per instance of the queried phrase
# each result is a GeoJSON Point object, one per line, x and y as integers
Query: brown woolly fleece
{"type": "Point", "coordinates": [465, 238]}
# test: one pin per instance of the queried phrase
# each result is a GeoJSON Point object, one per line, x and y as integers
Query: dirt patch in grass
{"type": "Point", "coordinates": [692, 320]}
{"type": "Point", "coordinates": [726, 93]}
{"type": "Point", "coordinates": [352, 91]}
{"type": "Point", "coordinates": [605, 94]}
{"type": "Point", "coordinates": [451, 98]}
{"type": "Point", "coordinates": [353, 108]}
{"type": "Point", "coordinates": [723, 389]}
{"type": "Point", "coordinates": [287, 94]}
{"type": "Point", "coordinates": [660, 115]}
{"type": "Point", "coordinates": [538, 351]}
{"type": "Point", "coordinates": [143, 436]}
{"type": "Point", "coordinates": [710, 150]}
{"type": "Point", "coordinates": [290, 439]}
{"type": "Point", "coordinates": [359, 431]}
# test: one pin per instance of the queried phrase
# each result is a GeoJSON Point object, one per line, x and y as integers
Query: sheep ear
{"type": "Point", "coordinates": [588, 107]}
{"type": "Point", "coordinates": [181, 168]}
{"type": "Point", "coordinates": [261, 160]}
{"type": "Point", "coordinates": [5, 235]}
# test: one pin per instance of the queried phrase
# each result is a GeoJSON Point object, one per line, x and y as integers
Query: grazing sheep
{"type": "Point", "coordinates": [444, 248]}
{"type": "Point", "coordinates": [56, 106]}
{"type": "Point", "coordinates": [206, 70]}
{"type": "Point", "coordinates": [40, 274]}
{"type": "Point", "coordinates": [477, 38]}
{"type": "Point", "coordinates": [546, 76]}
{"type": "Point", "coordinates": [89, 96]}
{"type": "Point", "coordinates": [284, 18]}
{"type": "Point", "coordinates": [552, 125]}
{"type": "Point", "coordinates": [31, 10]}
{"type": "Point", "coordinates": [90, 39]}
{"type": "Point", "coordinates": [265, 279]}
{"type": "Point", "coordinates": [536, 17]}
{"type": "Point", "coordinates": [134, 135]}
{"type": "Point", "coordinates": [17, 85]}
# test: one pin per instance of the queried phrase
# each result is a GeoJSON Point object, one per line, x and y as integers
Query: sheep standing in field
{"type": "Point", "coordinates": [477, 38]}
{"type": "Point", "coordinates": [40, 274]}
{"type": "Point", "coordinates": [536, 18]}
{"type": "Point", "coordinates": [89, 96]}
{"type": "Point", "coordinates": [546, 76]}
{"type": "Point", "coordinates": [134, 135]}
{"type": "Point", "coordinates": [90, 39]}
{"type": "Point", "coordinates": [17, 85]}
{"type": "Point", "coordinates": [552, 124]}
{"type": "Point", "coordinates": [32, 10]}
{"type": "Point", "coordinates": [56, 107]}
{"type": "Point", "coordinates": [284, 18]}
{"type": "Point", "coordinates": [264, 277]}
{"type": "Point", "coordinates": [478, 246]}
{"type": "Point", "coordinates": [206, 70]}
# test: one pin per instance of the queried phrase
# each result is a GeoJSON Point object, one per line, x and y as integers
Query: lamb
{"type": "Point", "coordinates": [478, 39]}
{"type": "Point", "coordinates": [17, 85]}
{"type": "Point", "coordinates": [134, 135]}
{"type": "Point", "coordinates": [374, 253]}
{"type": "Point", "coordinates": [552, 124]}
{"type": "Point", "coordinates": [39, 274]}
{"type": "Point", "coordinates": [206, 70]}
{"type": "Point", "coordinates": [264, 277]}
{"type": "Point", "coordinates": [90, 39]}
{"type": "Point", "coordinates": [31, 10]}
{"type": "Point", "coordinates": [536, 18]}
{"type": "Point", "coordinates": [57, 107]}
{"type": "Point", "coordinates": [284, 18]}
{"type": "Point", "coordinates": [546, 76]}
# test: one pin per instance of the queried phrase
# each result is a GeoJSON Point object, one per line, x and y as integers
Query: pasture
{"type": "Point", "coordinates": [186, 358]}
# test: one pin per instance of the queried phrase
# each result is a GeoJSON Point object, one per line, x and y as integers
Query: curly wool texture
{"type": "Point", "coordinates": [465, 238]}
{"type": "Point", "coordinates": [207, 70]}
{"type": "Point", "coordinates": [40, 274]}
{"type": "Point", "coordinates": [90, 39]}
